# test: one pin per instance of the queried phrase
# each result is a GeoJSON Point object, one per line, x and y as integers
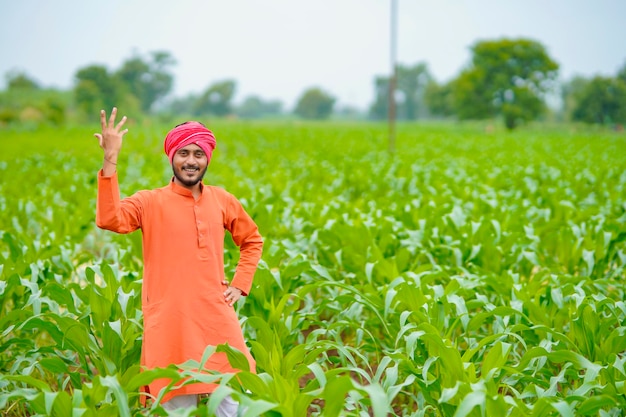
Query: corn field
{"type": "Point", "coordinates": [468, 274]}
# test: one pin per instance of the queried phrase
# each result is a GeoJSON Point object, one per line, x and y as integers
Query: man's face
{"type": "Point", "coordinates": [189, 165]}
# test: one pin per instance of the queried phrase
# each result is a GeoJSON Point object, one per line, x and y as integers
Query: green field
{"type": "Point", "coordinates": [471, 273]}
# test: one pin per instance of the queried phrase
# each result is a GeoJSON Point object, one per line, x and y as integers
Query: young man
{"type": "Point", "coordinates": [187, 303]}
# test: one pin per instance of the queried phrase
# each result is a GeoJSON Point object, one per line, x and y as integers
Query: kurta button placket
{"type": "Point", "coordinates": [201, 227]}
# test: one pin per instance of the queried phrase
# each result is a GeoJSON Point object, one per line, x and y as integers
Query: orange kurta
{"type": "Point", "coordinates": [183, 304]}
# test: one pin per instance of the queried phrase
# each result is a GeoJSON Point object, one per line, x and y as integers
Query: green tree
{"type": "Point", "coordinates": [18, 95]}
{"type": "Point", "coordinates": [20, 81]}
{"type": "Point", "coordinates": [470, 101]}
{"type": "Point", "coordinates": [255, 107]}
{"type": "Point", "coordinates": [508, 78]}
{"type": "Point", "coordinates": [439, 99]}
{"type": "Point", "coordinates": [411, 84]}
{"type": "Point", "coordinates": [315, 103]}
{"type": "Point", "coordinates": [54, 109]}
{"type": "Point", "coordinates": [216, 100]}
{"type": "Point", "coordinates": [602, 101]}
{"type": "Point", "coordinates": [27, 102]}
{"type": "Point", "coordinates": [95, 89]}
{"type": "Point", "coordinates": [182, 106]}
{"type": "Point", "coordinates": [571, 94]}
{"type": "Point", "coordinates": [379, 110]}
{"type": "Point", "coordinates": [621, 74]}
{"type": "Point", "coordinates": [147, 80]}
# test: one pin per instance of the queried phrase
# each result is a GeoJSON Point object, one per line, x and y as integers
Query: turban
{"type": "Point", "coordinates": [186, 134]}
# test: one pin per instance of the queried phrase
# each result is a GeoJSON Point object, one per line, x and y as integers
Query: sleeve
{"type": "Point", "coordinates": [246, 235]}
{"type": "Point", "coordinates": [112, 213]}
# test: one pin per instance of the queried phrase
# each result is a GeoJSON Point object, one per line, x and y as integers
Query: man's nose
{"type": "Point", "coordinates": [191, 159]}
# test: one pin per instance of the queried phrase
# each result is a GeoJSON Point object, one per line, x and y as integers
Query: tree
{"type": "Point", "coordinates": [508, 78]}
{"type": "Point", "coordinates": [571, 94]}
{"type": "Point", "coordinates": [183, 106]}
{"type": "Point", "coordinates": [471, 101]}
{"type": "Point", "coordinates": [147, 80]}
{"type": "Point", "coordinates": [20, 81]}
{"type": "Point", "coordinates": [216, 100]}
{"type": "Point", "coordinates": [21, 93]}
{"type": "Point", "coordinates": [602, 101]}
{"type": "Point", "coordinates": [315, 103]}
{"type": "Point", "coordinates": [255, 107]}
{"type": "Point", "coordinates": [411, 86]}
{"type": "Point", "coordinates": [379, 110]}
{"type": "Point", "coordinates": [621, 74]}
{"type": "Point", "coordinates": [96, 89]}
{"type": "Point", "coordinates": [54, 108]}
{"type": "Point", "coordinates": [25, 101]}
{"type": "Point", "coordinates": [439, 99]}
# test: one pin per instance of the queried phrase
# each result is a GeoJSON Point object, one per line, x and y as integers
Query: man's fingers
{"type": "Point", "coordinates": [99, 137]}
{"type": "Point", "coordinates": [112, 117]}
{"type": "Point", "coordinates": [121, 123]}
{"type": "Point", "coordinates": [232, 294]}
{"type": "Point", "coordinates": [103, 119]}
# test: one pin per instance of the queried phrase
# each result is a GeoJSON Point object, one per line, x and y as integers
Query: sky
{"type": "Point", "coordinates": [276, 49]}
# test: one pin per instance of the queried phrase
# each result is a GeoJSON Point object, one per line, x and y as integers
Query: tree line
{"type": "Point", "coordinates": [506, 79]}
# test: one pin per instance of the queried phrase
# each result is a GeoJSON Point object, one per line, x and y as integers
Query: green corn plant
{"type": "Point", "coordinates": [466, 275]}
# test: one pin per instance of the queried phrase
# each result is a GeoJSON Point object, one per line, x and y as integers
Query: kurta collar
{"type": "Point", "coordinates": [182, 190]}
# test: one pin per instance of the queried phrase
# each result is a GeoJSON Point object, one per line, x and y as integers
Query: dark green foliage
{"type": "Point", "coordinates": [21, 81]}
{"type": "Point", "coordinates": [25, 102]}
{"type": "Point", "coordinates": [147, 80]}
{"type": "Point", "coordinates": [621, 74]}
{"type": "Point", "coordinates": [216, 100]}
{"type": "Point", "coordinates": [602, 101]}
{"type": "Point", "coordinates": [254, 107]}
{"type": "Point", "coordinates": [507, 78]}
{"type": "Point", "coordinates": [315, 103]}
{"type": "Point", "coordinates": [136, 86]}
{"type": "Point", "coordinates": [96, 89]}
{"type": "Point", "coordinates": [571, 94]}
{"type": "Point", "coordinates": [440, 99]}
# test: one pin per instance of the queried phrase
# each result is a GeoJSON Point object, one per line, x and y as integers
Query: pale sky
{"type": "Point", "coordinates": [278, 48]}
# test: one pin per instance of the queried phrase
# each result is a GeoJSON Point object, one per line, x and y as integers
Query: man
{"type": "Point", "coordinates": [187, 303]}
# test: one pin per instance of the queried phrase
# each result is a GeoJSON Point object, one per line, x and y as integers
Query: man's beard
{"type": "Point", "coordinates": [189, 182]}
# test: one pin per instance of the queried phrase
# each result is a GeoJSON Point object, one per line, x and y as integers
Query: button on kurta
{"type": "Point", "coordinates": [201, 229]}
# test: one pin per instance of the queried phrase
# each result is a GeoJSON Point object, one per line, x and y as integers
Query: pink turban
{"type": "Point", "coordinates": [186, 134]}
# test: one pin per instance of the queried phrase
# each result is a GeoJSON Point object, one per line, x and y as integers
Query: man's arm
{"type": "Point", "coordinates": [111, 213]}
{"type": "Point", "coordinates": [110, 140]}
{"type": "Point", "coordinates": [246, 235]}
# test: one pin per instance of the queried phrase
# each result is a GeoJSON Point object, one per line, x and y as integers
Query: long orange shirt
{"type": "Point", "coordinates": [183, 304]}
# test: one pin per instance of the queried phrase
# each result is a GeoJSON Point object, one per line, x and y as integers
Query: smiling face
{"type": "Point", "coordinates": [189, 165]}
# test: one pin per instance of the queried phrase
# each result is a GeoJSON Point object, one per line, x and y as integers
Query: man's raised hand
{"type": "Point", "coordinates": [110, 139]}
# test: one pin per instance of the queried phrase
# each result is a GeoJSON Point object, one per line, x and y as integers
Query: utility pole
{"type": "Point", "coordinates": [392, 79]}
